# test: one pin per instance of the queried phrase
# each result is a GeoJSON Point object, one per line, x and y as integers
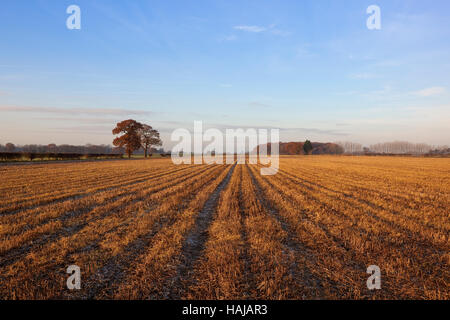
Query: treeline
{"type": "Point", "coordinates": [64, 148]}
{"type": "Point", "coordinates": [17, 156]}
{"type": "Point", "coordinates": [399, 147]}
{"type": "Point", "coordinates": [396, 147]}
{"type": "Point", "coordinates": [11, 152]}
{"type": "Point", "coordinates": [348, 147]}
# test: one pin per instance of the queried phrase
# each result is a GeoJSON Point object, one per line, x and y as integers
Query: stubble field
{"type": "Point", "coordinates": [148, 229]}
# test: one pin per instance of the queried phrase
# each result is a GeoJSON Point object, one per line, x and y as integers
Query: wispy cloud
{"type": "Point", "coordinates": [73, 111]}
{"type": "Point", "coordinates": [115, 16]}
{"type": "Point", "coordinates": [304, 52]}
{"type": "Point", "coordinates": [82, 129]}
{"type": "Point", "coordinates": [255, 29]}
{"type": "Point", "coordinates": [225, 85]}
{"type": "Point", "coordinates": [315, 131]}
{"type": "Point", "coordinates": [348, 93]}
{"type": "Point", "coordinates": [259, 29]}
{"type": "Point", "coordinates": [13, 77]}
{"type": "Point", "coordinates": [363, 76]}
{"type": "Point", "coordinates": [388, 63]}
{"type": "Point", "coordinates": [428, 92]}
{"type": "Point", "coordinates": [229, 38]}
{"type": "Point", "coordinates": [95, 120]}
{"type": "Point", "coordinates": [256, 104]}
{"type": "Point", "coordinates": [281, 33]}
{"type": "Point", "coordinates": [297, 130]}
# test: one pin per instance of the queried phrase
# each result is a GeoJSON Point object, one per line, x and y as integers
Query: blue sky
{"type": "Point", "coordinates": [310, 68]}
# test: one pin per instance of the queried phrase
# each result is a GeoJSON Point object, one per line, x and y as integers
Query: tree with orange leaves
{"type": "Point", "coordinates": [130, 139]}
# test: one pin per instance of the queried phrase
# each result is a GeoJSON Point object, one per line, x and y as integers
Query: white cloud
{"type": "Point", "coordinates": [258, 29]}
{"type": "Point", "coordinates": [255, 29]}
{"type": "Point", "coordinates": [280, 33]}
{"type": "Point", "coordinates": [363, 76]}
{"type": "Point", "coordinates": [230, 38]}
{"type": "Point", "coordinates": [348, 93]}
{"type": "Point", "coordinates": [428, 92]}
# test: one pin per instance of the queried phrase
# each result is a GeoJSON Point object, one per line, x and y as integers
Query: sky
{"type": "Point", "coordinates": [310, 68]}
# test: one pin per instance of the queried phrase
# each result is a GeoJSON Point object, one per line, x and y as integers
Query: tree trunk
{"type": "Point", "coordinates": [145, 152]}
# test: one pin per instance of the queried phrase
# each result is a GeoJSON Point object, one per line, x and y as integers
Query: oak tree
{"type": "Point", "coordinates": [130, 138]}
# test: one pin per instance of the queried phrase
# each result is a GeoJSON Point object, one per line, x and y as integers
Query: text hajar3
{"type": "Point", "coordinates": [373, 282]}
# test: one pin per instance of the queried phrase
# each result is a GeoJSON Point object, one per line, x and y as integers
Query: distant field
{"type": "Point", "coordinates": [148, 229]}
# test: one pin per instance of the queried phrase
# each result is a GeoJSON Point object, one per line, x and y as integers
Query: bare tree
{"type": "Point", "coordinates": [351, 147]}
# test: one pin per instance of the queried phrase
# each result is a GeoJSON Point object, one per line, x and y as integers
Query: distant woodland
{"type": "Point", "coordinates": [397, 147]}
